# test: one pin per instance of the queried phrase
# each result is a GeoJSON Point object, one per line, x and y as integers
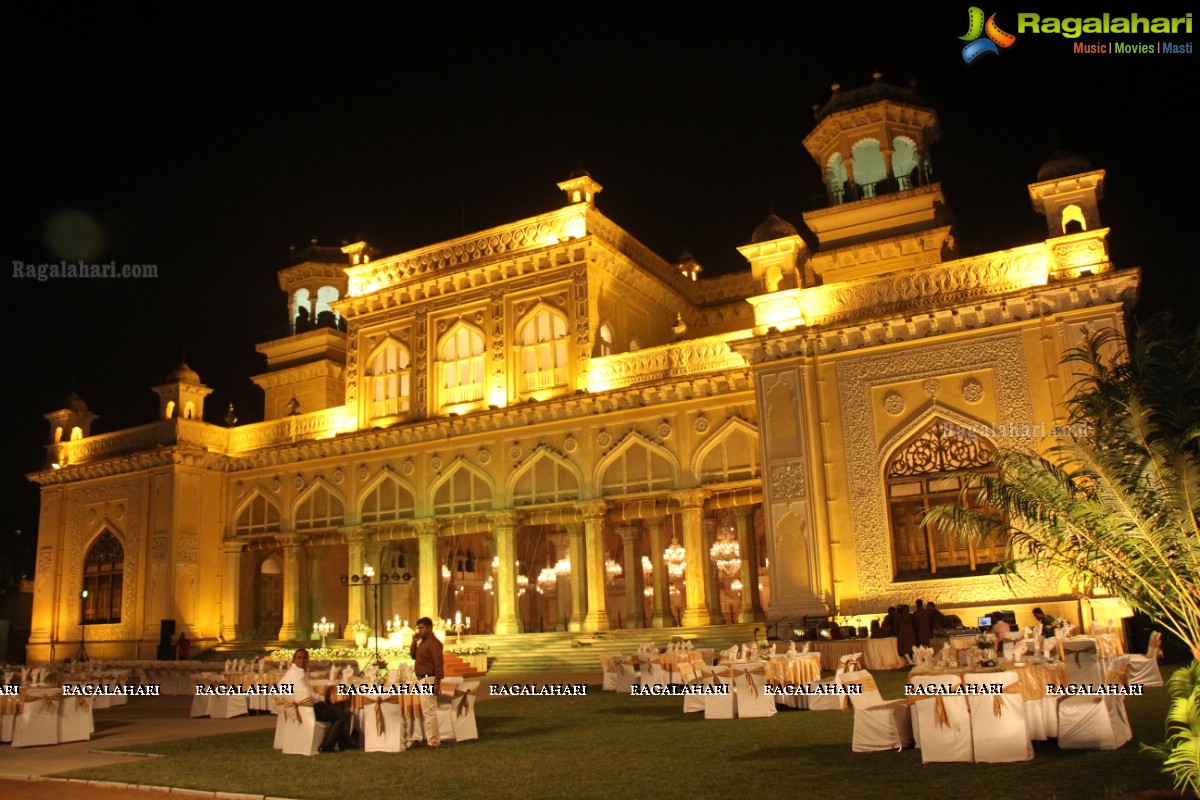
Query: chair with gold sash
{"type": "Point", "coordinates": [752, 699]}
{"type": "Point", "coordinates": [1096, 722]}
{"type": "Point", "coordinates": [37, 722]}
{"type": "Point", "coordinates": [75, 719]}
{"type": "Point", "coordinates": [692, 675]}
{"type": "Point", "coordinates": [383, 723]}
{"type": "Point", "coordinates": [998, 731]}
{"type": "Point", "coordinates": [851, 662]}
{"type": "Point", "coordinates": [941, 719]}
{"type": "Point", "coordinates": [721, 706]}
{"type": "Point", "coordinates": [462, 712]}
{"type": "Point", "coordinates": [1144, 669]}
{"type": "Point", "coordinates": [878, 724]}
{"type": "Point", "coordinates": [302, 733]}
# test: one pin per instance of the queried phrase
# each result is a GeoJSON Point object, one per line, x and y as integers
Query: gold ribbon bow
{"type": "Point", "coordinates": [751, 687]}
{"type": "Point", "coordinates": [83, 702]}
{"type": "Point", "coordinates": [868, 685]}
{"type": "Point", "coordinates": [291, 708]}
{"type": "Point", "coordinates": [998, 699]}
{"type": "Point", "coordinates": [379, 701]}
{"type": "Point", "coordinates": [49, 703]}
{"type": "Point", "coordinates": [852, 664]}
{"type": "Point", "coordinates": [463, 710]}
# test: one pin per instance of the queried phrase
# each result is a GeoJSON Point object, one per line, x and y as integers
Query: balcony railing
{"type": "Point", "coordinates": [544, 379]}
{"type": "Point", "coordinates": [852, 192]}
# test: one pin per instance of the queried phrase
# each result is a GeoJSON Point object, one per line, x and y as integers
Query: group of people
{"type": "Point", "coordinates": [913, 627]}
{"type": "Point", "coordinates": [426, 652]}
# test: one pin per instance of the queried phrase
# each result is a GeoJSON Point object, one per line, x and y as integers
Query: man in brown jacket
{"type": "Point", "coordinates": [426, 651]}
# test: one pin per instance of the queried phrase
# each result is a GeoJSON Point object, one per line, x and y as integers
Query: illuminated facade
{"type": "Point", "coordinates": [527, 418]}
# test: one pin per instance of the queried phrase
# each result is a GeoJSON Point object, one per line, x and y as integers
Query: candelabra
{"type": "Point", "coordinates": [457, 626]}
{"type": "Point", "coordinates": [323, 629]}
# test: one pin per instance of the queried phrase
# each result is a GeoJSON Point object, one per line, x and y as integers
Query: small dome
{"type": "Point", "coordinates": [579, 172]}
{"type": "Point", "coordinates": [1061, 163]}
{"type": "Point", "coordinates": [183, 374]}
{"type": "Point", "coordinates": [772, 228]}
{"type": "Point", "coordinates": [74, 402]}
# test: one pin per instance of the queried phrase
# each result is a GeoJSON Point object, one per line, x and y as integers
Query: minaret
{"type": "Point", "coordinates": [70, 423]}
{"type": "Point", "coordinates": [580, 187]}
{"type": "Point", "coordinates": [1068, 192]}
{"type": "Point", "coordinates": [182, 396]}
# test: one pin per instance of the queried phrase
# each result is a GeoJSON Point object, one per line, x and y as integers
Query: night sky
{"type": "Point", "coordinates": [206, 139]}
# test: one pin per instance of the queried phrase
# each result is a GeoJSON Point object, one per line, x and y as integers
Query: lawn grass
{"type": "Point", "coordinates": [605, 746]}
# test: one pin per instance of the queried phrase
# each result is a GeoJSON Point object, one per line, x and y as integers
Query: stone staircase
{"type": "Point", "coordinates": [580, 652]}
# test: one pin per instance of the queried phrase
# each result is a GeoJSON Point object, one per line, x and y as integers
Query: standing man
{"type": "Point", "coordinates": [426, 652]}
{"type": "Point", "coordinates": [923, 620]}
{"type": "Point", "coordinates": [338, 731]}
{"type": "Point", "coordinates": [1048, 623]}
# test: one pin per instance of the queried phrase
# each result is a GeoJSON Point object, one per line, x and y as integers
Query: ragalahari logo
{"type": "Point", "coordinates": [976, 28]}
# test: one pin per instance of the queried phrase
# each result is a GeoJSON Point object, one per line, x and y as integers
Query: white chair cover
{"type": "Point", "coordinates": [998, 731]}
{"type": "Point", "coordinates": [302, 734]}
{"type": "Point", "coordinates": [37, 723]}
{"type": "Point", "coordinates": [1144, 669]}
{"type": "Point", "coordinates": [752, 698]}
{"type": "Point", "coordinates": [446, 692]}
{"type": "Point", "coordinates": [1096, 723]}
{"type": "Point", "coordinates": [878, 724]}
{"type": "Point", "coordinates": [828, 702]}
{"type": "Point", "coordinates": [383, 725]}
{"type": "Point", "coordinates": [721, 706]}
{"type": "Point", "coordinates": [1083, 667]}
{"type": "Point", "coordinates": [942, 723]}
{"type": "Point", "coordinates": [462, 712]}
{"type": "Point", "coordinates": [75, 719]}
{"type": "Point", "coordinates": [227, 706]}
{"type": "Point", "coordinates": [650, 672]}
{"type": "Point", "coordinates": [692, 676]}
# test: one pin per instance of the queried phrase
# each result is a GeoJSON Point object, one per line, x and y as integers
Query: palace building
{"type": "Point", "coordinates": [547, 426]}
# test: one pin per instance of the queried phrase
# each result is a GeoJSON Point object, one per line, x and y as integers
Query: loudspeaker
{"type": "Point", "coordinates": [166, 632]}
{"type": "Point", "coordinates": [166, 652]}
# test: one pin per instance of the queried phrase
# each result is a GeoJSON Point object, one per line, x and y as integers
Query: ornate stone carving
{"type": "Point", "coordinates": [338, 476]}
{"type": "Point", "coordinates": [570, 443]}
{"type": "Point", "coordinates": [656, 363]}
{"type": "Point", "coordinates": [514, 451]}
{"type": "Point", "coordinates": [604, 438]}
{"type": "Point", "coordinates": [931, 387]}
{"type": "Point", "coordinates": [187, 549]}
{"type": "Point", "coordinates": [787, 480]}
{"type": "Point", "coordinates": [663, 430]}
{"type": "Point", "coordinates": [159, 547]}
{"type": "Point", "coordinates": [701, 423]}
{"type": "Point", "coordinates": [435, 463]}
{"type": "Point", "coordinates": [484, 455]}
{"type": "Point", "coordinates": [362, 472]}
{"type": "Point", "coordinates": [129, 492]}
{"type": "Point", "coordinates": [972, 390]}
{"type": "Point", "coordinates": [1003, 354]}
{"type": "Point", "coordinates": [408, 467]}
{"type": "Point", "coordinates": [893, 404]}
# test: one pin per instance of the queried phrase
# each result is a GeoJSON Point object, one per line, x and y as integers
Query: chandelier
{"type": "Point", "coordinates": [563, 567]}
{"type": "Point", "coordinates": [675, 558]}
{"type": "Point", "coordinates": [445, 571]}
{"type": "Point", "coordinates": [496, 562]}
{"type": "Point", "coordinates": [547, 579]}
{"type": "Point", "coordinates": [647, 568]}
{"type": "Point", "coordinates": [648, 591]}
{"type": "Point", "coordinates": [735, 585]}
{"type": "Point", "coordinates": [522, 582]}
{"type": "Point", "coordinates": [726, 553]}
{"type": "Point", "coordinates": [612, 570]}
{"type": "Point", "coordinates": [488, 585]}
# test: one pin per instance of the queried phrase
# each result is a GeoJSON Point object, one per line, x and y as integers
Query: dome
{"type": "Point", "coordinates": [74, 402]}
{"type": "Point", "coordinates": [772, 228]}
{"type": "Point", "coordinates": [1061, 163]}
{"type": "Point", "coordinates": [183, 374]}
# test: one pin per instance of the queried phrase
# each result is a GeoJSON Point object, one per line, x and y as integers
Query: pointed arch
{"type": "Point", "coordinates": [869, 165]}
{"type": "Point", "coordinates": [605, 338]}
{"type": "Point", "coordinates": [461, 357]}
{"type": "Point", "coordinates": [730, 454]}
{"type": "Point", "coordinates": [541, 349]}
{"type": "Point", "coordinates": [544, 477]}
{"type": "Point", "coordinates": [922, 469]}
{"type": "Point", "coordinates": [637, 465]}
{"type": "Point", "coordinates": [256, 515]}
{"type": "Point", "coordinates": [1073, 214]}
{"type": "Point", "coordinates": [463, 488]}
{"type": "Point", "coordinates": [388, 379]}
{"type": "Point", "coordinates": [386, 498]}
{"type": "Point", "coordinates": [319, 506]}
{"type": "Point", "coordinates": [103, 577]}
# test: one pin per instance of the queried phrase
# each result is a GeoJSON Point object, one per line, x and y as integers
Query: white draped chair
{"type": "Point", "coordinates": [998, 730]}
{"type": "Point", "coordinates": [227, 706]}
{"type": "Point", "coordinates": [721, 706]}
{"type": "Point", "coordinates": [878, 724]}
{"type": "Point", "coordinates": [1083, 667]}
{"type": "Point", "coordinates": [75, 719]}
{"type": "Point", "coordinates": [37, 724]}
{"type": "Point", "coordinates": [650, 672]}
{"type": "Point", "coordinates": [941, 723]}
{"type": "Point", "coordinates": [302, 734]}
{"type": "Point", "coordinates": [851, 662]}
{"type": "Point", "coordinates": [462, 712]}
{"type": "Point", "coordinates": [383, 724]}
{"type": "Point", "coordinates": [693, 676]}
{"type": "Point", "coordinates": [749, 683]}
{"type": "Point", "coordinates": [1096, 723]}
{"type": "Point", "coordinates": [445, 697]}
{"type": "Point", "coordinates": [1144, 669]}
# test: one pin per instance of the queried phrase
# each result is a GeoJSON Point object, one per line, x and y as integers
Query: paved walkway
{"type": "Point", "coordinates": [124, 729]}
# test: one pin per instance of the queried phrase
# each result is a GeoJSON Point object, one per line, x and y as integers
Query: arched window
{"type": "Point", "coordinates": [921, 475]}
{"type": "Point", "coordinates": [389, 377]}
{"type": "Point", "coordinates": [606, 339]}
{"type": "Point", "coordinates": [387, 501]}
{"type": "Point", "coordinates": [461, 362]}
{"type": "Point", "coordinates": [320, 509]}
{"type": "Point", "coordinates": [258, 517]}
{"type": "Point", "coordinates": [1073, 220]}
{"type": "Point", "coordinates": [869, 168]}
{"type": "Point", "coordinates": [542, 350]}
{"type": "Point", "coordinates": [103, 567]}
{"type": "Point", "coordinates": [835, 179]}
{"type": "Point", "coordinates": [904, 162]}
{"type": "Point", "coordinates": [170, 409]}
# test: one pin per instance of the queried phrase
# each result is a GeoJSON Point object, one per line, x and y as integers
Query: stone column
{"type": "Point", "coordinates": [231, 590]}
{"type": "Point", "coordinates": [504, 528]}
{"type": "Point", "coordinates": [712, 580]}
{"type": "Point", "coordinates": [594, 519]}
{"type": "Point", "coordinates": [576, 544]}
{"type": "Point", "coordinates": [429, 571]}
{"type": "Point", "coordinates": [562, 600]}
{"type": "Point", "coordinates": [751, 606]}
{"type": "Point", "coordinates": [691, 514]}
{"type": "Point", "coordinates": [356, 540]}
{"type": "Point", "coordinates": [635, 615]}
{"type": "Point", "coordinates": [661, 617]}
{"type": "Point", "coordinates": [289, 630]}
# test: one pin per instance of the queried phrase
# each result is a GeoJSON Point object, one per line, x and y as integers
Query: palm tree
{"type": "Point", "coordinates": [1117, 505]}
